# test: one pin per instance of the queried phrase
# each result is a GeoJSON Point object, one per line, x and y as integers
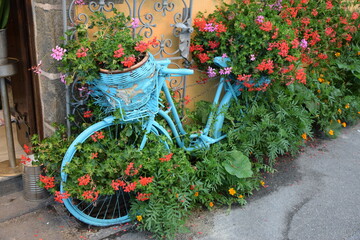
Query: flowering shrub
{"type": "Point", "coordinates": [276, 39]}
{"type": "Point", "coordinates": [105, 42]}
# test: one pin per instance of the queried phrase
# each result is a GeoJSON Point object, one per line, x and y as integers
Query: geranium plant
{"type": "Point", "coordinates": [106, 42]}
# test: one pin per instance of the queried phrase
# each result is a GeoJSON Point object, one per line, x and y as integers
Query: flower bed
{"type": "Point", "coordinates": [308, 49]}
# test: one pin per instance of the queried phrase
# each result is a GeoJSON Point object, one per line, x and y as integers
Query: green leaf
{"type": "Point", "coordinates": [238, 164]}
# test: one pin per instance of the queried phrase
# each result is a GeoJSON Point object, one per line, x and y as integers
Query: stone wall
{"type": "Point", "coordinates": [48, 30]}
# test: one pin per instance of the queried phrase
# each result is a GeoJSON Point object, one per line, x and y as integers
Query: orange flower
{"type": "Point", "coordinates": [347, 105]}
{"type": "Point", "coordinates": [196, 194]}
{"type": "Point", "coordinates": [232, 191]}
{"type": "Point", "coordinates": [211, 204]}
{"type": "Point", "coordinates": [262, 183]}
{"type": "Point", "coordinates": [331, 132]}
{"type": "Point", "coordinates": [241, 196]}
{"type": "Point", "coordinates": [344, 124]}
{"type": "Point", "coordinates": [304, 136]}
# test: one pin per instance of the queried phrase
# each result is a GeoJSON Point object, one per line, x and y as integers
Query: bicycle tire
{"type": "Point", "coordinates": [107, 209]}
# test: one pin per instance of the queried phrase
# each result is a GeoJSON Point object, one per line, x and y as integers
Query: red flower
{"type": "Point", "coordinates": [314, 12]}
{"type": "Point", "coordinates": [213, 44]}
{"type": "Point", "coordinates": [116, 184]}
{"type": "Point", "coordinates": [131, 171]}
{"type": "Point", "coordinates": [48, 181]}
{"type": "Point", "coordinates": [25, 160]}
{"type": "Point", "coordinates": [284, 49]}
{"type": "Point", "coordinates": [94, 155]}
{"type": "Point", "coordinates": [305, 21]}
{"type": "Point", "coordinates": [266, 26]}
{"type": "Point", "coordinates": [88, 114]}
{"type": "Point", "coordinates": [58, 197]}
{"type": "Point", "coordinates": [322, 56]}
{"type": "Point", "coordinates": [84, 180]}
{"type": "Point", "coordinates": [120, 52]}
{"type": "Point", "coordinates": [143, 196]}
{"type": "Point", "coordinates": [129, 61]}
{"type": "Point", "coordinates": [329, 5]}
{"type": "Point", "coordinates": [200, 23]}
{"type": "Point", "coordinates": [330, 32]}
{"type": "Point", "coordinates": [97, 135]}
{"type": "Point", "coordinates": [301, 76]}
{"type": "Point", "coordinates": [186, 100]}
{"type": "Point", "coordinates": [291, 58]}
{"type": "Point", "coordinates": [166, 158]}
{"type": "Point", "coordinates": [145, 180]}
{"type": "Point", "coordinates": [196, 48]}
{"type": "Point", "coordinates": [203, 57]}
{"type": "Point", "coordinates": [354, 15]}
{"type": "Point", "coordinates": [141, 46]}
{"type": "Point", "coordinates": [27, 149]}
{"type": "Point", "coordinates": [266, 65]}
{"type": "Point", "coordinates": [93, 196]}
{"type": "Point", "coordinates": [81, 52]}
{"type": "Point", "coordinates": [130, 187]}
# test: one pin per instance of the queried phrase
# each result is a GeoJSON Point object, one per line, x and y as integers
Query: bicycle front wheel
{"type": "Point", "coordinates": [107, 209]}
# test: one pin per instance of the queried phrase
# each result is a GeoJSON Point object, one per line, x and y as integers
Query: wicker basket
{"type": "Point", "coordinates": [130, 89]}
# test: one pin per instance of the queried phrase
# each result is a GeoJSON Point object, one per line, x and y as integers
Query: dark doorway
{"type": "Point", "coordinates": [24, 85]}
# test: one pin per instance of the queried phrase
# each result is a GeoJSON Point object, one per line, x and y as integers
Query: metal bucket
{"type": "Point", "coordinates": [32, 192]}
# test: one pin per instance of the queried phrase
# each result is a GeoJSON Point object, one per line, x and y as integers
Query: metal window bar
{"type": "Point", "coordinates": [180, 29]}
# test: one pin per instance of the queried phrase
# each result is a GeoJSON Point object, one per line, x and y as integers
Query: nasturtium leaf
{"type": "Point", "coordinates": [237, 164]}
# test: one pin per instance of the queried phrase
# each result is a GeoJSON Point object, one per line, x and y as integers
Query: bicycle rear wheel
{"type": "Point", "coordinates": [106, 209]}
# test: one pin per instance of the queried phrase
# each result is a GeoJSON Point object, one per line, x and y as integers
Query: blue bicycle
{"type": "Point", "coordinates": [138, 105]}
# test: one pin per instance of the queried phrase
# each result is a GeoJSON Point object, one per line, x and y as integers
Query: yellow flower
{"type": "Point", "coordinates": [196, 194]}
{"type": "Point", "coordinates": [304, 136]}
{"type": "Point", "coordinates": [337, 54]}
{"type": "Point", "coordinates": [339, 121]}
{"type": "Point", "coordinates": [321, 80]}
{"type": "Point", "coordinates": [321, 75]}
{"type": "Point", "coordinates": [347, 105]}
{"type": "Point", "coordinates": [339, 110]}
{"type": "Point", "coordinates": [241, 196]}
{"type": "Point", "coordinates": [211, 204]}
{"type": "Point", "coordinates": [139, 218]}
{"type": "Point", "coordinates": [232, 191]}
{"type": "Point", "coordinates": [262, 183]}
{"type": "Point", "coordinates": [331, 132]}
{"type": "Point", "coordinates": [358, 53]}
{"type": "Point", "coordinates": [319, 91]}
{"type": "Point", "coordinates": [344, 124]}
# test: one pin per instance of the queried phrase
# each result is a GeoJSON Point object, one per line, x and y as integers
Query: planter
{"type": "Point", "coordinates": [129, 90]}
{"type": "Point", "coordinates": [31, 191]}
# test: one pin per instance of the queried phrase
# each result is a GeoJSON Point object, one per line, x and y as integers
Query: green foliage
{"type": "Point", "coordinates": [4, 13]}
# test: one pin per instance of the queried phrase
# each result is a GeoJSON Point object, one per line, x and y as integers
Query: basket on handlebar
{"type": "Point", "coordinates": [131, 90]}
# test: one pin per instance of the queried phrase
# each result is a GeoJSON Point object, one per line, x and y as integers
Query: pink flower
{"type": "Point", "coordinates": [62, 78]}
{"type": "Point", "coordinates": [58, 53]}
{"type": "Point", "coordinates": [79, 2]}
{"type": "Point", "coordinates": [135, 22]}
{"type": "Point", "coordinates": [211, 72]}
{"type": "Point", "coordinates": [37, 69]}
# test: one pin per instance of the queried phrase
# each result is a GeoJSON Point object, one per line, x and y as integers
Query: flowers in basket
{"type": "Point", "coordinates": [276, 39]}
{"type": "Point", "coordinates": [105, 42]}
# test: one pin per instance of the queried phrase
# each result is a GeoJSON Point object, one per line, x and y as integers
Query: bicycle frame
{"type": "Point", "coordinates": [215, 120]}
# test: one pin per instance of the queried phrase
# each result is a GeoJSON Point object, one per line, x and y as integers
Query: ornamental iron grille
{"type": "Point", "coordinates": [168, 20]}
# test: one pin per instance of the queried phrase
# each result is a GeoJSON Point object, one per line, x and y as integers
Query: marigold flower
{"type": "Point", "coordinates": [232, 191]}
{"type": "Point", "coordinates": [139, 218]}
{"type": "Point", "coordinates": [211, 204]}
{"type": "Point", "coordinates": [304, 136]}
{"type": "Point", "coordinates": [262, 183]}
{"type": "Point", "coordinates": [347, 105]}
{"type": "Point", "coordinates": [196, 194]}
{"type": "Point", "coordinates": [241, 196]}
{"type": "Point", "coordinates": [331, 132]}
{"type": "Point", "coordinates": [339, 121]}
{"type": "Point", "coordinates": [337, 54]}
{"type": "Point", "coordinates": [339, 110]}
{"type": "Point", "coordinates": [344, 124]}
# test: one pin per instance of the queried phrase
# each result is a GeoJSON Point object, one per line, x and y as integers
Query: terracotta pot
{"type": "Point", "coordinates": [137, 65]}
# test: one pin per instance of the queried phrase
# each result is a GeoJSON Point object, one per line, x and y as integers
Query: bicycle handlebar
{"type": "Point", "coordinates": [176, 72]}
